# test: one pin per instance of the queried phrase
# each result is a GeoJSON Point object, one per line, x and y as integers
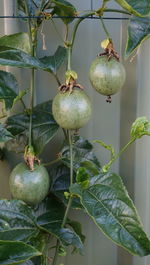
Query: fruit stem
{"type": "Point", "coordinates": [33, 41]}
{"type": "Point", "coordinates": [105, 29]}
{"type": "Point", "coordinates": [90, 13]}
{"type": "Point", "coordinates": [69, 58]}
{"type": "Point", "coordinates": [70, 198]}
{"type": "Point", "coordinates": [57, 79]}
{"type": "Point", "coordinates": [77, 25]}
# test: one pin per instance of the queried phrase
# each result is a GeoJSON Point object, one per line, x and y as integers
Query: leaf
{"type": "Point", "coordinates": [5, 135]}
{"type": "Point", "coordinates": [54, 62]}
{"type": "Point", "coordinates": [51, 221]}
{"type": "Point", "coordinates": [82, 177]}
{"type": "Point", "coordinates": [44, 125]}
{"type": "Point", "coordinates": [33, 5]}
{"type": "Point", "coordinates": [8, 86]}
{"type": "Point", "coordinates": [77, 227]}
{"type": "Point", "coordinates": [18, 41]}
{"type": "Point", "coordinates": [140, 127]}
{"type": "Point", "coordinates": [60, 176]}
{"type": "Point", "coordinates": [64, 8]}
{"type": "Point", "coordinates": [12, 252]}
{"type": "Point", "coordinates": [136, 7]}
{"type": "Point", "coordinates": [18, 58]}
{"type": "Point", "coordinates": [17, 221]}
{"type": "Point", "coordinates": [90, 167]}
{"type": "Point", "coordinates": [138, 32]}
{"type": "Point", "coordinates": [109, 205]}
{"type": "Point", "coordinates": [83, 151]}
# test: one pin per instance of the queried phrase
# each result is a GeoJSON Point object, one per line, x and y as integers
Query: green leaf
{"type": "Point", "coordinates": [109, 205]}
{"type": "Point", "coordinates": [18, 41]}
{"type": "Point", "coordinates": [17, 221]}
{"type": "Point", "coordinates": [83, 151]}
{"type": "Point", "coordinates": [12, 252]}
{"type": "Point", "coordinates": [33, 5]}
{"type": "Point", "coordinates": [52, 63]}
{"type": "Point", "coordinates": [140, 127]}
{"type": "Point", "coordinates": [18, 58]}
{"type": "Point", "coordinates": [90, 167]}
{"type": "Point", "coordinates": [44, 125]}
{"type": "Point", "coordinates": [136, 7]}
{"type": "Point", "coordinates": [138, 32]}
{"type": "Point", "coordinates": [64, 8]}
{"type": "Point", "coordinates": [5, 135]}
{"type": "Point", "coordinates": [51, 220]}
{"type": "Point", "coordinates": [77, 227]}
{"type": "Point", "coordinates": [8, 86]}
{"type": "Point", "coordinates": [82, 177]}
{"type": "Point", "coordinates": [60, 176]}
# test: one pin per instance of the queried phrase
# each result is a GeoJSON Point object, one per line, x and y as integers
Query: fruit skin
{"type": "Point", "coordinates": [107, 76]}
{"type": "Point", "coordinates": [72, 110]}
{"type": "Point", "coordinates": [29, 186]}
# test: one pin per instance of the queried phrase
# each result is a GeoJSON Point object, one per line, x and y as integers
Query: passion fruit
{"type": "Point", "coordinates": [107, 76]}
{"type": "Point", "coordinates": [29, 186]}
{"type": "Point", "coordinates": [72, 110]}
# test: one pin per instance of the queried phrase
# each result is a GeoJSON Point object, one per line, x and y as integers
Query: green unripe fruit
{"type": "Point", "coordinates": [72, 110]}
{"type": "Point", "coordinates": [107, 76]}
{"type": "Point", "coordinates": [29, 186]}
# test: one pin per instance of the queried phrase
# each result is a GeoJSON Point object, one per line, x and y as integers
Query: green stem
{"type": "Point", "coordinates": [57, 79]}
{"type": "Point", "coordinates": [117, 11]}
{"type": "Point", "coordinates": [71, 156]}
{"type": "Point", "coordinates": [105, 29]}
{"type": "Point", "coordinates": [70, 198]}
{"type": "Point", "coordinates": [58, 33]}
{"type": "Point", "coordinates": [56, 253]}
{"type": "Point", "coordinates": [31, 104]}
{"type": "Point", "coordinates": [65, 134]}
{"type": "Point", "coordinates": [33, 40]}
{"type": "Point", "coordinates": [67, 212]}
{"type": "Point", "coordinates": [23, 104]}
{"type": "Point", "coordinates": [94, 12]}
{"type": "Point", "coordinates": [67, 32]}
{"type": "Point", "coordinates": [107, 166]}
{"type": "Point", "coordinates": [52, 162]}
{"type": "Point", "coordinates": [77, 25]}
{"type": "Point", "coordinates": [69, 57]}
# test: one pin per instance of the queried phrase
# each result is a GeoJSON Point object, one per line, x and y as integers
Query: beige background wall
{"type": "Point", "coordinates": [110, 123]}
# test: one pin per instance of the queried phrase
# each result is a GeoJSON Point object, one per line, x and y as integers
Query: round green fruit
{"type": "Point", "coordinates": [72, 110]}
{"type": "Point", "coordinates": [107, 76]}
{"type": "Point", "coordinates": [29, 186]}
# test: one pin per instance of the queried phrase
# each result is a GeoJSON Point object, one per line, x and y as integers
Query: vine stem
{"type": "Point", "coordinates": [90, 13]}
{"type": "Point", "coordinates": [107, 166]}
{"type": "Point", "coordinates": [52, 162]}
{"type": "Point", "coordinates": [70, 198]}
{"type": "Point", "coordinates": [33, 39]}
